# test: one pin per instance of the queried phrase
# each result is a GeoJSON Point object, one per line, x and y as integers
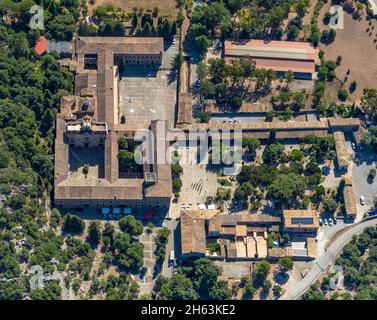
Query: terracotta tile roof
{"type": "Point", "coordinates": [300, 219]}
{"type": "Point", "coordinates": [227, 224]}
{"type": "Point", "coordinates": [279, 56]}
{"type": "Point", "coordinates": [163, 185]}
{"type": "Point", "coordinates": [99, 89]}
{"type": "Point", "coordinates": [120, 45]}
{"type": "Point", "coordinates": [184, 108]}
{"type": "Point", "coordinates": [193, 236]}
{"type": "Point", "coordinates": [343, 123]}
{"type": "Point", "coordinates": [349, 196]}
{"type": "Point", "coordinates": [341, 149]}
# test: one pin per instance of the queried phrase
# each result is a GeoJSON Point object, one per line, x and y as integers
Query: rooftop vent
{"type": "Point", "coordinates": [150, 177]}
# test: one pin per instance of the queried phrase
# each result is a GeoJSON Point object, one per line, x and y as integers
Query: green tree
{"type": "Point", "coordinates": [251, 144]}
{"type": "Point", "coordinates": [369, 139]}
{"type": "Point", "coordinates": [314, 293]}
{"type": "Point", "coordinates": [285, 263]}
{"type": "Point", "coordinates": [147, 30]}
{"type": "Point", "coordinates": [179, 288]}
{"type": "Point", "coordinates": [203, 116]}
{"type": "Point", "coordinates": [202, 70]}
{"type": "Point", "coordinates": [296, 155]}
{"type": "Point", "coordinates": [94, 232]}
{"type": "Point", "coordinates": [289, 77]}
{"type": "Point", "coordinates": [244, 191]}
{"type": "Point", "coordinates": [369, 102]}
{"type": "Point", "coordinates": [202, 43]}
{"type": "Point", "coordinates": [330, 205]}
{"type": "Point", "coordinates": [272, 152]}
{"type": "Point", "coordinates": [130, 225]}
{"type": "Point", "coordinates": [249, 291]}
{"type": "Point", "coordinates": [260, 272]}
{"type": "Point", "coordinates": [73, 224]}
{"type": "Point", "coordinates": [220, 291]}
{"type": "Point", "coordinates": [286, 187]}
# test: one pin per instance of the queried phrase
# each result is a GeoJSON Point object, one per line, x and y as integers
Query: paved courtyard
{"type": "Point", "coordinates": [198, 183]}
{"type": "Point", "coordinates": [93, 157]}
{"type": "Point", "coordinates": [146, 280]}
{"type": "Point", "coordinates": [146, 94]}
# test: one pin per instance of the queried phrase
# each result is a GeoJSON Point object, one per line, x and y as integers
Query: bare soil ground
{"type": "Point", "coordinates": [167, 7]}
{"type": "Point", "coordinates": [356, 44]}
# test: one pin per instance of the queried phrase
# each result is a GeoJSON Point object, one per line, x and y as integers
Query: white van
{"type": "Point", "coordinates": [171, 259]}
{"type": "Point", "coordinates": [171, 256]}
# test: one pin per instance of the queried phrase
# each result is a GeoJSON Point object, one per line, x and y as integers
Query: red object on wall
{"type": "Point", "coordinates": [149, 214]}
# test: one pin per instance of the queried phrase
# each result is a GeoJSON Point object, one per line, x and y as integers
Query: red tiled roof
{"type": "Point", "coordinates": [41, 45]}
{"type": "Point", "coordinates": [276, 55]}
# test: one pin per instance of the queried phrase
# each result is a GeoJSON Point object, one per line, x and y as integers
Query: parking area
{"type": "Point", "coordinates": [362, 185]}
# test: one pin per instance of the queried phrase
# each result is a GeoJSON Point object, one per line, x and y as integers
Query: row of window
{"type": "Point", "coordinates": [135, 204]}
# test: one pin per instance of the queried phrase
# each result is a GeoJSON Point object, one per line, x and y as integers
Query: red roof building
{"type": "Point", "coordinates": [41, 45]}
{"type": "Point", "coordinates": [280, 56]}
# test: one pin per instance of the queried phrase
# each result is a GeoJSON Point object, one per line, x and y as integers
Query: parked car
{"type": "Point", "coordinates": [325, 222]}
{"type": "Point", "coordinates": [171, 259]}
{"type": "Point", "coordinates": [335, 220]}
{"type": "Point", "coordinates": [362, 200]}
{"type": "Point", "coordinates": [353, 146]}
{"type": "Point", "coordinates": [331, 222]}
{"type": "Point", "coordinates": [320, 221]}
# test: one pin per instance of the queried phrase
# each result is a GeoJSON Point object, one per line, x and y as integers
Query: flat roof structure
{"type": "Point", "coordinates": [280, 56]}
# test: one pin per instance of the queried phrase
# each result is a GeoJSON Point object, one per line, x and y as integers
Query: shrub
{"type": "Point", "coordinates": [342, 95]}
{"type": "Point", "coordinates": [73, 224]}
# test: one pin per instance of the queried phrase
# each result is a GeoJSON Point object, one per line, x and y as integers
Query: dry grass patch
{"type": "Point", "coordinates": [167, 7]}
{"type": "Point", "coordinates": [358, 50]}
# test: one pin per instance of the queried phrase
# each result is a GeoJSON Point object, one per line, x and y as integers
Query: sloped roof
{"type": "Point", "coordinates": [341, 149]}
{"type": "Point", "coordinates": [184, 108]}
{"type": "Point", "coordinates": [193, 235]}
{"type": "Point", "coordinates": [290, 50]}
{"type": "Point", "coordinates": [349, 196]}
{"type": "Point", "coordinates": [120, 45]}
{"type": "Point", "coordinates": [300, 219]}
{"type": "Point", "coordinates": [280, 56]}
{"type": "Point", "coordinates": [227, 223]}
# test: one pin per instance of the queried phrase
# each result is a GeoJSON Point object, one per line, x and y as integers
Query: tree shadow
{"type": "Point", "coordinates": [281, 277]}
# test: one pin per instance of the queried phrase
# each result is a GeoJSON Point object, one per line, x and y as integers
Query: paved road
{"type": "Point", "coordinates": [331, 253]}
{"type": "Point", "coordinates": [172, 225]}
